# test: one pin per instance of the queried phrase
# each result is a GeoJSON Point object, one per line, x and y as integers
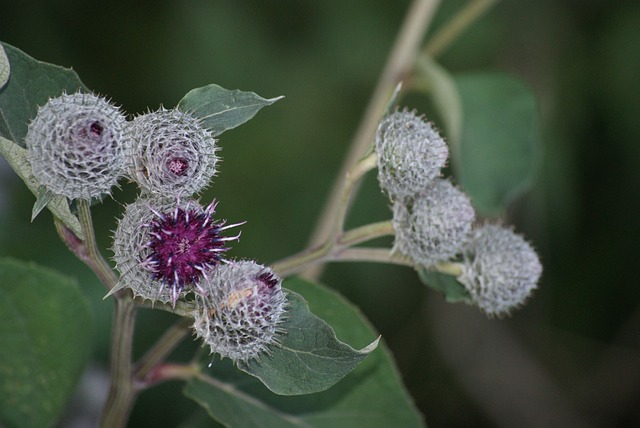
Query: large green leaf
{"type": "Point", "coordinates": [222, 109]}
{"type": "Point", "coordinates": [500, 142]}
{"type": "Point", "coordinates": [45, 341]}
{"type": "Point", "coordinates": [17, 158]}
{"type": "Point", "coordinates": [309, 358]}
{"type": "Point", "coordinates": [372, 395]}
{"type": "Point", "coordinates": [31, 84]}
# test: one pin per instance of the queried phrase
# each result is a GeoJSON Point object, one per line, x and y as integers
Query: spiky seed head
{"type": "Point", "coordinates": [240, 313]}
{"type": "Point", "coordinates": [172, 153]}
{"type": "Point", "coordinates": [411, 154]}
{"type": "Point", "coordinates": [500, 269]}
{"type": "Point", "coordinates": [435, 225]}
{"type": "Point", "coordinates": [77, 145]}
{"type": "Point", "coordinates": [164, 250]}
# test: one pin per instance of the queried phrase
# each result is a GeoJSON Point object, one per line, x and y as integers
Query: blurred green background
{"type": "Point", "coordinates": [571, 357]}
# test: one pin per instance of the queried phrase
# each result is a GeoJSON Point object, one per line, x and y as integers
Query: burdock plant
{"type": "Point", "coordinates": [172, 252]}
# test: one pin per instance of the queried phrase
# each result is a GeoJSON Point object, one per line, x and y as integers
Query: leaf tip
{"type": "Point", "coordinates": [273, 100]}
{"type": "Point", "coordinates": [372, 346]}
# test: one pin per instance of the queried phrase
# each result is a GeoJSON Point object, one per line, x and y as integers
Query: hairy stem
{"type": "Point", "coordinates": [89, 252]}
{"type": "Point", "coordinates": [398, 65]}
{"type": "Point", "coordinates": [456, 26]}
{"type": "Point", "coordinates": [122, 392]}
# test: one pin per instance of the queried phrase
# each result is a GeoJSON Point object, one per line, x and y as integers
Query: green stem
{"type": "Point", "coordinates": [332, 250]}
{"type": "Point", "coordinates": [365, 233]}
{"type": "Point", "coordinates": [450, 268]}
{"type": "Point", "coordinates": [351, 180]}
{"type": "Point", "coordinates": [162, 348]}
{"type": "Point", "coordinates": [122, 393]}
{"type": "Point", "coordinates": [456, 26]}
{"type": "Point", "coordinates": [398, 65]}
{"type": "Point", "coordinates": [94, 258]}
{"type": "Point", "coordinates": [375, 255]}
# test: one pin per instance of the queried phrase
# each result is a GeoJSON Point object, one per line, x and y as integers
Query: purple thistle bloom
{"type": "Point", "coordinates": [163, 250]}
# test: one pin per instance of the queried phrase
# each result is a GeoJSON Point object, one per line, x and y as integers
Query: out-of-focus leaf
{"type": "Point", "coordinates": [221, 109]}
{"type": "Point", "coordinates": [500, 142]}
{"type": "Point", "coordinates": [17, 158]}
{"type": "Point", "coordinates": [372, 395]}
{"type": "Point", "coordinates": [45, 342]}
{"type": "Point", "coordinates": [31, 84]}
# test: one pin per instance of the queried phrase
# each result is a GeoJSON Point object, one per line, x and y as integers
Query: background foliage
{"type": "Point", "coordinates": [571, 357]}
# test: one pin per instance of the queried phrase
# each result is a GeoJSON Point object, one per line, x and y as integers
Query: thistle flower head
{"type": "Point", "coordinates": [500, 270]}
{"type": "Point", "coordinates": [433, 226]}
{"type": "Point", "coordinates": [410, 152]}
{"type": "Point", "coordinates": [76, 145]}
{"type": "Point", "coordinates": [172, 153]}
{"type": "Point", "coordinates": [164, 250]}
{"type": "Point", "coordinates": [241, 310]}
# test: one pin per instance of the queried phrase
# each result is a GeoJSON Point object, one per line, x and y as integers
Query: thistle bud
{"type": "Point", "coordinates": [435, 225]}
{"type": "Point", "coordinates": [165, 250]}
{"type": "Point", "coordinates": [241, 311]}
{"type": "Point", "coordinates": [172, 153]}
{"type": "Point", "coordinates": [500, 270]}
{"type": "Point", "coordinates": [76, 145]}
{"type": "Point", "coordinates": [410, 152]}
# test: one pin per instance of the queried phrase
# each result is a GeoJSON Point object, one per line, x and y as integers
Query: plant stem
{"type": "Point", "coordinates": [456, 26]}
{"type": "Point", "coordinates": [332, 250]}
{"type": "Point", "coordinates": [165, 372]}
{"type": "Point", "coordinates": [90, 254]}
{"type": "Point", "coordinates": [365, 233]}
{"type": "Point", "coordinates": [352, 178]}
{"type": "Point", "coordinates": [450, 268]}
{"type": "Point", "coordinates": [398, 65]}
{"type": "Point", "coordinates": [161, 349]}
{"type": "Point", "coordinates": [376, 255]}
{"type": "Point", "coordinates": [122, 393]}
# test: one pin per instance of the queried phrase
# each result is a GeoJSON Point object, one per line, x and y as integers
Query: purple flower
{"type": "Point", "coordinates": [163, 250]}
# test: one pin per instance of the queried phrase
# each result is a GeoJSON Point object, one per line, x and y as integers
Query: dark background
{"type": "Point", "coordinates": [571, 357]}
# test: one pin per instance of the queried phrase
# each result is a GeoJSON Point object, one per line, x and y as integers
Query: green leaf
{"type": "Point", "coordinates": [31, 84]}
{"type": "Point", "coordinates": [500, 142]}
{"type": "Point", "coordinates": [222, 109]}
{"type": "Point", "coordinates": [42, 200]}
{"type": "Point", "coordinates": [310, 357]}
{"type": "Point", "coordinates": [372, 395]}
{"type": "Point", "coordinates": [16, 156]}
{"type": "Point", "coordinates": [5, 68]}
{"type": "Point", "coordinates": [45, 338]}
{"type": "Point", "coordinates": [448, 285]}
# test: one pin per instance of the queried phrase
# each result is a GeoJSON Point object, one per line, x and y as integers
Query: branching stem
{"type": "Point", "coordinates": [456, 26]}
{"type": "Point", "coordinates": [398, 65]}
{"type": "Point", "coordinates": [161, 350]}
{"type": "Point", "coordinates": [122, 393]}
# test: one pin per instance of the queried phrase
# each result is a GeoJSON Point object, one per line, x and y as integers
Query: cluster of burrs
{"type": "Point", "coordinates": [435, 222]}
{"type": "Point", "coordinates": [167, 245]}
